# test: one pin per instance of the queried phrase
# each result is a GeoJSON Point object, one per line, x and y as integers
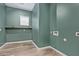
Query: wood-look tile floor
{"type": "Point", "coordinates": [26, 49]}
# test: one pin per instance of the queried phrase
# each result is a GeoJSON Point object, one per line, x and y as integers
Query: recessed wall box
{"type": "Point", "coordinates": [55, 33]}
{"type": "Point", "coordinates": [77, 34]}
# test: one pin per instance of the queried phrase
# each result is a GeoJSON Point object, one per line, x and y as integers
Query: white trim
{"type": "Point", "coordinates": [15, 42]}
{"type": "Point", "coordinates": [44, 47]}
{"type": "Point", "coordinates": [35, 46]}
{"type": "Point", "coordinates": [58, 51]}
{"type": "Point", "coordinates": [41, 47]}
{"type": "Point", "coordinates": [2, 45]}
{"type": "Point", "coordinates": [19, 41]}
{"type": "Point", "coordinates": [49, 47]}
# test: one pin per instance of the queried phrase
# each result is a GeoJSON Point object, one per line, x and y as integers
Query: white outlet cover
{"type": "Point", "coordinates": [65, 39]}
{"type": "Point", "coordinates": [77, 34]}
{"type": "Point", "coordinates": [55, 33]}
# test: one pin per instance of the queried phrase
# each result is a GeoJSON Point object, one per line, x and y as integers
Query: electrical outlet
{"type": "Point", "coordinates": [55, 33]}
{"type": "Point", "coordinates": [77, 34]}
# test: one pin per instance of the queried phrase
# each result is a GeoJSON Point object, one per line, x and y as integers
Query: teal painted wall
{"type": "Point", "coordinates": [35, 24]}
{"type": "Point", "coordinates": [45, 18]}
{"type": "Point", "coordinates": [13, 17]}
{"type": "Point", "coordinates": [13, 21]}
{"type": "Point", "coordinates": [66, 21]}
{"type": "Point", "coordinates": [19, 34]}
{"type": "Point", "coordinates": [68, 25]}
{"type": "Point", "coordinates": [44, 29]}
{"type": "Point", "coordinates": [40, 24]}
{"type": "Point", "coordinates": [53, 23]}
{"type": "Point", "coordinates": [2, 23]}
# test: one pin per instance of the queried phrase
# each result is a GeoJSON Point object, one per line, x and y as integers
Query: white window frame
{"type": "Point", "coordinates": [24, 20]}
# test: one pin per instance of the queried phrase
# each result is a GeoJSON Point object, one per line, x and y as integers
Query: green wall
{"type": "Point", "coordinates": [68, 25]}
{"type": "Point", "coordinates": [2, 23]}
{"type": "Point", "coordinates": [45, 19]}
{"type": "Point", "coordinates": [66, 21]}
{"type": "Point", "coordinates": [15, 31]}
{"type": "Point", "coordinates": [35, 24]}
{"type": "Point", "coordinates": [13, 17]}
{"type": "Point", "coordinates": [19, 34]}
{"type": "Point", "coordinates": [40, 24]}
{"type": "Point", "coordinates": [53, 23]}
{"type": "Point", "coordinates": [44, 35]}
{"type": "Point", "coordinates": [9, 23]}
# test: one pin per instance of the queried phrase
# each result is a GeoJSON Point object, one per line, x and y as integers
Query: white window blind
{"type": "Point", "coordinates": [24, 20]}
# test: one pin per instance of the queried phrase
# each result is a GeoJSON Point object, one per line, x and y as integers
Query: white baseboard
{"type": "Point", "coordinates": [41, 47]}
{"type": "Point", "coordinates": [2, 45]}
{"type": "Point", "coordinates": [19, 41]}
{"type": "Point", "coordinates": [45, 47]}
{"type": "Point", "coordinates": [58, 51]}
{"type": "Point", "coordinates": [35, 46]}
{"type": "Point", "coordinates": [49, 47]}
{"type": "Point", "coordinates": [14, 42]}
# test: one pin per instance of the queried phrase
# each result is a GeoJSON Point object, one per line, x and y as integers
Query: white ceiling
{"type": "Point", "coordinates": [24, 6]}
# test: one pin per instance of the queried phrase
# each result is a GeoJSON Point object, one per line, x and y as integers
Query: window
{"type": "Point", "coordinates": [24, 20]}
